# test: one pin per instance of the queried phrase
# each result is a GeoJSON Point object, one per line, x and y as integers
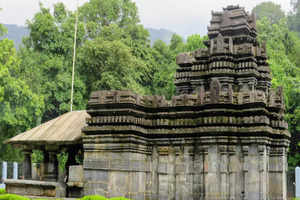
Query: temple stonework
{"type": "Point", "coordinates": [222, 137]}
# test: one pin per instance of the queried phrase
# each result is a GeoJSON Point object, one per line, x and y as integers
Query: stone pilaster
{"type": "Point", "coordinates": [154, 174]}
{"type": "Point", "coordinates": [212, 180]}
{"type": "Point", "coordinates": [185, 184]}
{"type": "Point", "coordinates": [252, 178]}
{"type": "Point", "coordinates": [263, 161]}
{"type": "Point", "coordinates": [198, 178]}
{"type": "Point", "coordinates": [236, 173]}
{"type": "Point", "coordinates": [171, 174]}
{"type": "Point", "coordinates": [277, 173]}
{"type": "Point", "coordinates": [224, 175]}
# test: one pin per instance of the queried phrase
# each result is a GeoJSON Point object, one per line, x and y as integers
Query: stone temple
{"type": "Point", "coordinates": [222, 137]}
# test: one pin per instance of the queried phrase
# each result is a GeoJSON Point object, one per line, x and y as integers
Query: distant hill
{"type": "Point", "coordinates": [160, 34]}
{"type": "Point", "coordinates": [16, 33]}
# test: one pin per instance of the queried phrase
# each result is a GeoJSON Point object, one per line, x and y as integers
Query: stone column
{"type": "Point", "coordinates": [171, 174]}
{"type": "Point", "coordinates": [52, 166]}
{"type": "Point", "coordinates": [252, 180]}
{"type": "Point", "coordinates": [212, 181]}
{"type": "Point", "coordinates": [15, 170]}
{"type": "Point", "coordinates": [27, 165]}
{"type": "Point", "coordinates": [4, 170]}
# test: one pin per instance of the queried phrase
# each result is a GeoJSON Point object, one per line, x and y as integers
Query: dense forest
{"type": "Point", "coordinates": [114, 52]}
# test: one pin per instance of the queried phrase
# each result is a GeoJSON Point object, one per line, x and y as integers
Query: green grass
{"type": "Point", "coordinates": [4, 196]}
{"type": "Point", "coordinates": [96, 197]}
{"type": "Point", "coordinates": [12, 197]}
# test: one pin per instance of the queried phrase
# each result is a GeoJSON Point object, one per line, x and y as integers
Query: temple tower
{"type": "Point", "coordinates": [222, 137]}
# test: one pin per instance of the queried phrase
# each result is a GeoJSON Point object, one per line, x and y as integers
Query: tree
{"type": "Point", "coordinates": [20, 108]}
{"type": "Point", "coordinates": [110, 65]}
{"type": "Point", "coordinates": [294, 16]}
{"type": "Point", "coordinates": [195, 42]}
{"type": "Point", "coordinates": [282, 49]}
{"type": "Point", "coordinates": [46, 60]}
{"type": "Point", "coordinates": [270, 10]}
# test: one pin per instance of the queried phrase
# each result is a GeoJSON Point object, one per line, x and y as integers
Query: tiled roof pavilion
{"type": "Point", "coordinates": [65, 129]}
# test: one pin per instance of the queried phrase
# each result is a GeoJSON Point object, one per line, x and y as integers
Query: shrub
{"type": "Point", "coordinates": [12, 197]}
{"type": "Point", "coordinates": [2, 191]}
{"type": "Point", "coordinates": [93, 197]}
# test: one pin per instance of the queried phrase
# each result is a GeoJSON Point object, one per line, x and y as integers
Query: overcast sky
{"type": "Point", "coordinates": [184, 17]}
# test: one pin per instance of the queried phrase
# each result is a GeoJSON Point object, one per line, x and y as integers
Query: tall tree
{"type": "Point", "coordinates": [46, 59]}
{"type": "Point", "coordinates": [282, 49]}
{"type": "Point", "coordinates": [294, 16]}
{"type": "Point", "coordinates": [20, 108]}
{"type": "Point", "coordinates": [270, 10]}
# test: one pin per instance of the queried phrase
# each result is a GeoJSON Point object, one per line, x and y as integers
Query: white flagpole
{"type": "Point", "coordinates": [74, 57]}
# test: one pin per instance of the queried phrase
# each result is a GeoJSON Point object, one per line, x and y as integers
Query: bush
{"type": "Point", "coordinates": [12, 197]}
{"type": "Point", "coordinates": [93, 197]}
{"type": "Point", "coordinates": [2, 191]}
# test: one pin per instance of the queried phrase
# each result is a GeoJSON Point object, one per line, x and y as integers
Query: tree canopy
{"type": "Point", "coordinates": [269, 10]}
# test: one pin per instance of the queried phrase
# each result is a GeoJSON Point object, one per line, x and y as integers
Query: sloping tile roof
{"type": "Point", "coordinates": [63, 129]}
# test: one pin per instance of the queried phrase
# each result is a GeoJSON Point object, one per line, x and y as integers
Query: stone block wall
{"type": "Point", "coordinates": [210, 168]}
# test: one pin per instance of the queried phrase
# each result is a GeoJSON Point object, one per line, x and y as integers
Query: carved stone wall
{"type": "Point", "coordinates": [222, 137]}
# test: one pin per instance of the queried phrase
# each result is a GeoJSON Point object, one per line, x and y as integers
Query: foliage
{"type": "Point", "coordinates": [79, 158]}
{"type": "Point", "coordinates": [269, 10]}
{"type": "Point", "coordinates": [110, 65]}
{"type": "Point", "coordinates": [294, 16]}
{"type": "Point", "coordinates": [12, 197]}
{"type": "Point", "coordinates": [20, 106]}
{"type": "Point", "coordinates": [62, 159]}
{"type": "Point", "coordinates": [93, 197]}
{"type": "Point", "coordinates": [2, 191]}
{"type": "Point", "coordinates": [15, 33]}
{"type": "Point", "coordinates": [283, 51]}
{"type": "Point", "coordinates": [37, 156]}
{"type": "Point", "coordinates": [46, 60]}
{"type": "Point", "coordinates": [195, 42]}
{"type": "Point", "coordinates": [97, 197]}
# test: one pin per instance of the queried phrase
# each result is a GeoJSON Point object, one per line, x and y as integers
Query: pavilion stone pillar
{"type": "Point", "coordinates": [52, 166]}
{"type": "Point", "coordinates": [27, 165]}
{"type": "Point", "coordinates": [51, 171]}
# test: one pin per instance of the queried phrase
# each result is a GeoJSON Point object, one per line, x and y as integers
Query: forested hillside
{"type": "Point", "coordinates": [16, 34]}
{"type": "Point", "coordinates": [114, 52]}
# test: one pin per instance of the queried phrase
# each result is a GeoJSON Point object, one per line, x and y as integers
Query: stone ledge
{"type": "Point", "coordinates": [30, 182]}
